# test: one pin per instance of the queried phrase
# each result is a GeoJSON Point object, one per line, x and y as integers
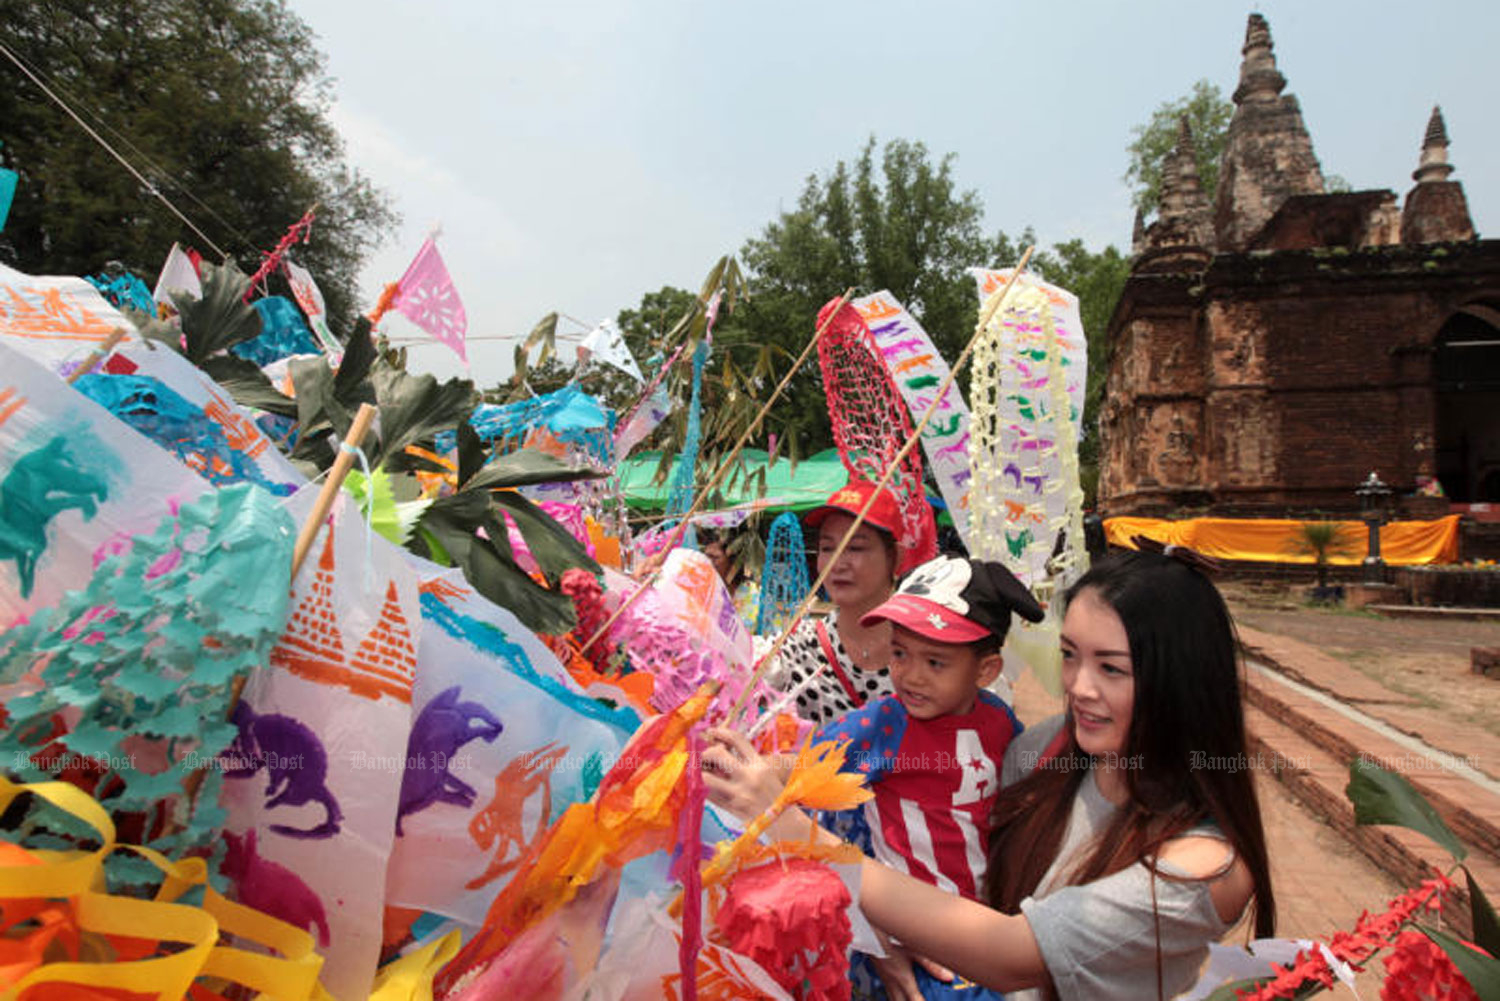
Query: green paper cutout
{"type": "Point", "coordinates": [148, 651]}
{"type": "Point", "coordinates": [395, 521]}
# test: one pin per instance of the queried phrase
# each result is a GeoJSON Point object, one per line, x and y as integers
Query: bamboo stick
{"type": "Point", "coordinates": [720, 473]}
{"type": "Point", "coordinates": [336, 475]}
{"type": "Point", "coordinates": [97, 355]}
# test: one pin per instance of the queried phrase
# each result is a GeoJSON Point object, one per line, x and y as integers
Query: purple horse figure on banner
{"type": "Point", "coordinates": [293, 758]}
{"type": "Point", "coordinates": [441, 728]}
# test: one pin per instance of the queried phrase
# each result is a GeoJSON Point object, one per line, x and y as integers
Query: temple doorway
{"type": "Point", "coordinates": [1466, 370]}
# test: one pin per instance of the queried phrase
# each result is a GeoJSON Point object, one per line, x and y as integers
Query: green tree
{"type": "Point", "coordinates": [1208, 115]}
{"type": "Point", "coordinates": [896, 223]}
{"type": "Point", "coordinates": [222, 105]}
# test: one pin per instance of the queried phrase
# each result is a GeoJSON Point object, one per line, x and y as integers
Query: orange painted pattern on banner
{"type": "Point", "coordinates": [43, 313]}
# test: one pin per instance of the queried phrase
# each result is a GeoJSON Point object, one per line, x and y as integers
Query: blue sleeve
{"type": "Point", "coordinates": [991, 699]}
{"type": "Point", "coordinates": [874, 734]}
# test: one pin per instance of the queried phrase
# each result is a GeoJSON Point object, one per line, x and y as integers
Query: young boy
{"type": "Point", "coordinates": [932, 751]}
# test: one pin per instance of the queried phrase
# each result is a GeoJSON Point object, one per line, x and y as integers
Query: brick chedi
{"type": "Point", "coordinates": [1266, 356]}
{"type": "Point", "coordinates": [1269, 156]}
{"type": "Point", "coordinates": [1436, 209]}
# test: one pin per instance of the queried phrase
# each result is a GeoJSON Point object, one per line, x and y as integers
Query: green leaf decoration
{"type": "Point", "coordinates": [471, 452]}
{"type": "Point", "coordinates": [1481, 971]}
{"type": "Point", "coordinates": [1486, 926]}
{"type": "Point", "coordinates": [552, 546]}
{"type": "Point", "coordinates": [354, 369]}
{"type": "Point", "coordinates": [414, 408]}
{"type": "Point", "coordinates": [219, 320]}
{"type": "Point", "coordinates": [248, 384]}
{"type": "Point", "coordinates": [1384, 797]}
{"type": "Point", "coordinates": [451, 521]}
{"type": "Point", "coordinates": [525, 468]}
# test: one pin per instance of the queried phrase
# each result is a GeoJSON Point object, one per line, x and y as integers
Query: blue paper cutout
{"type": "Point", "coordinates": [283, 332]}
{"type": "Point", "coordinates": [41, 485]}
{"type": "Point", "coordinates": [783, 578]}
{"type": "Point", "coordinates": [442, 727]}
{"type": "Point", "coordinates": [295, 764]}
{"type": "Point", "coordinates": [148, 651]}
{"type": "Point", "coordinates": [124, 291]}
{"type": "Point", "coordinates": [572, 415]}
{"type": "Point", "coordinates": [680, 498]}
{"type": "Point", "coordinates": [156, 410]}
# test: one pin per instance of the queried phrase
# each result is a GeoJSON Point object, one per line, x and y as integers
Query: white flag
{"type": "Point", "coordinates": [606, 343]}
{"type": "Point", "coordinates": [177, 275]}
{"type": "Point", "coordinates": [310, 298]}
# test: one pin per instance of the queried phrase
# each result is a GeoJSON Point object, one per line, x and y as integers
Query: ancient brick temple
{"type": "Point", "coordinates": [1273, 348]}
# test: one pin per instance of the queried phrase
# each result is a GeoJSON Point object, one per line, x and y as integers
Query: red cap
{"type": "Point", "coordinates": [884, 514]}
{"type": "Point", "coordinates": [926, 618]}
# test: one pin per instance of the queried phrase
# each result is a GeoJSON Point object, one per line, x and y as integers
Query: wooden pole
{"type": "Point", "coordinates": [916, 436]}
{"type": "Point", "coordinates": [97, 355]}
{"type": "Point", "coordinates": [720, 473]}
{"type": "Point", "coordinates": [331, 485]}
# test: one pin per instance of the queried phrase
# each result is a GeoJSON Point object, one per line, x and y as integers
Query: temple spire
{"type": "Point", "coordinates": [1184, 221]}
{"type": "Point", "coordinates": [1436, 210]}
{"type": "Point", "coordinates": [1268, 155]}
{"type": "Point", "coordinates": [1260, 80]}
{"type": "Point", "coordinates": [1434, 165]}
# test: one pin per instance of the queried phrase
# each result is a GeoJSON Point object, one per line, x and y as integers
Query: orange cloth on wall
{"type": "Point", "coordinates": [1274, 540]}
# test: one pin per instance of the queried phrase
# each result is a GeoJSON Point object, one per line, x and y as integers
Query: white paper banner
{"type": "Point", "coordinates": [918, 371]}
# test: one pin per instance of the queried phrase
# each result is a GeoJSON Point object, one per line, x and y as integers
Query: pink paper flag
{"type": "Point", "coordinates": [427, 298]}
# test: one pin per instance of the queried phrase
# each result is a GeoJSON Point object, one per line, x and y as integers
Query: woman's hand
{"type": "Point", "coordinates": [896, 970]}
{"type": "Point", "coordinates": [737, 778]}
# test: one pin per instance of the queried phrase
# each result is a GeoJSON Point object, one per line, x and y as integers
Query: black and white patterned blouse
{"type": "Point", "coordinates": [824, 699]}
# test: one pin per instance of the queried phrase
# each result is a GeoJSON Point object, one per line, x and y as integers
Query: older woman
{"type": "Point", "coordinates": [833, 663]}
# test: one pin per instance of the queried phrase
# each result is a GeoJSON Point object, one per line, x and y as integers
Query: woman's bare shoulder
{"type": "Point", "coordinates": [1205, 857]}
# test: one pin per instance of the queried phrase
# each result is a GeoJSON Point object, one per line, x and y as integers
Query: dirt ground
{"type": "Point", "coordinates": [1426, 660]}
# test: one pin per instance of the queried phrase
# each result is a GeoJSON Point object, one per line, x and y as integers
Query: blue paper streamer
{"type": "Point", "coordinates": [124, 291]}
{"type": "Point", "coordinates": [680, 498]}
{"type": "Point", "coordinates": [783, 578]}
{"type": "Point", "coordinates": [283, 332]}
{"type": "Point", "coordinates": [154, 409]}
{"type": "Point", "coordinates": [572, 415]}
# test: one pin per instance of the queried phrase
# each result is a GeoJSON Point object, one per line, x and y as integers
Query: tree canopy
{"type": "Point", "coordinates": [1208, 114]}
{"type": "Point", "coordinates": [899, 224]}
{"type": "Point", "coordinates": [222, 105]}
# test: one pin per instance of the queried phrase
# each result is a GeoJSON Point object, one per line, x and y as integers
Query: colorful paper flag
{"type": "Point", "coordinates": [426, 297]}
{"type": "Point", "coordinates": [177, 275]}
{"type": "Point", "coordinates": [607, 344]}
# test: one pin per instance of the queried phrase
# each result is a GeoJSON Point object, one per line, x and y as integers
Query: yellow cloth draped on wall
{"type": "Point", "coordinates": [1271, 540]}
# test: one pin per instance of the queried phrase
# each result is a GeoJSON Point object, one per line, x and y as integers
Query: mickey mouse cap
{"type": "Point", "coordinates": [956, 600]}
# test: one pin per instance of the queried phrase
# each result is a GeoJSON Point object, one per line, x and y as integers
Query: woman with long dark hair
{"type": "Point", "coordinates": [1128, 835]}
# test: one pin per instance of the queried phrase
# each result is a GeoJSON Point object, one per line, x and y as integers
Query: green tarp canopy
{"type": "Point", "coordinates": [816, 477]}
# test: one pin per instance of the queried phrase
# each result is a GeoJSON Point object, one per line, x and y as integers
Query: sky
{"type": "Point", "coordinates": [579, 155]}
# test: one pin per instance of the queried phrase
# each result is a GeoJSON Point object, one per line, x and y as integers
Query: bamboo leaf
{"type": "Point", "coordinates": [414, 408]}
{"type": "Point", "coordinates": [1384, 797]}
